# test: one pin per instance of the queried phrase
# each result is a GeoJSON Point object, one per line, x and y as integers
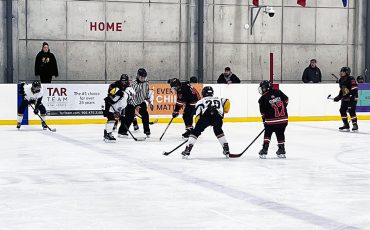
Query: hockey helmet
{"type": "Point", "coordinates": [264, 86]}
{"type": "Point", "coordinates": [207, 91]}
{"type": "Point", "coordinates": [360, 79]}
{"type": "Point", "coordinates": [174, 83]}
{"type": "Point", "coordinates": [36, 87]}
{"type": "Point", "coordinates": [141, 72]}
{"type": "Point", "coordinates": [193, 79]}
{"type": "Point", "coordinates": [346, 70]}
{"type": "Point", "coordinates": [125, 80]}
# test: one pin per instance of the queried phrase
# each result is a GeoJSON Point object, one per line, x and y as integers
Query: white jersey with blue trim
{"type": "Point", "coordinates": [29, 95]}
{"type": "Point", "coordinates": [209, 102]}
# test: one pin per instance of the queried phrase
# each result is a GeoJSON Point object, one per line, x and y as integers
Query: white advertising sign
{"type": "Point", "coordinates": [74, 100]}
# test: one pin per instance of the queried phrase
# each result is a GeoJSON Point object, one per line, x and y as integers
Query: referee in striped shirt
{"type": "Point", "coordinates": [138, 102]}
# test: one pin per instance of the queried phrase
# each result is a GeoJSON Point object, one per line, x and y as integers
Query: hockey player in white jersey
{"type": "Point", "coordinates": [31, 95]}
{"type": "Point", "coordinates": [209, 112]}
{"type": "Point", "coordinates": [115, 103]}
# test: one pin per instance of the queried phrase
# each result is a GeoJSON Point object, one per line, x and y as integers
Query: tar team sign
{"type": "Point", "coordinates": [74, 100]}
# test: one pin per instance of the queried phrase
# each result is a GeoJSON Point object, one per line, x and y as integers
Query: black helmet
{"type": "Point", "coordinates": [141, 72]}
{"type": "Point", "coordinates": [125, 80]}
{"type": "Point", "coordinates": [360, 79]}
{"type": "Point", "coordinates": [346, 70]}
{"type": "Point", "coordinates": [124, 77]}
{"type": "Point", "coordinates": [174, 82]}
{"type": "Point", "coordinates": [264, 86]}
{"type": "Point", "coordinates": [193, 79]}
{"type": "Point", "coordinates": [207, 91]}
{"type": "Point", "coordinates": [36, 86]}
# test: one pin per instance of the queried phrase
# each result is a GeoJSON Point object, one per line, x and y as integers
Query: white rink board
{"type": "Point", "coordinates": [306, 100]}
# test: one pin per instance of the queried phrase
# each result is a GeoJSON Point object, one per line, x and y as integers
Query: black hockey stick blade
{"type": "Point", "coordinates": [166, 129]}
{"type": "Point", "coordinates": [239, 155]}
{"type": "Point", "coordinates": [173, 150]}
{"type": "Point", "coordinates": [153, 122]}
{"type": "Point", "coordinates": [329, 97]}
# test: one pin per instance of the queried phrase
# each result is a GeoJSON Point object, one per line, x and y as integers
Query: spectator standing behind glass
{"type": "Point", "coordinates": [46, 64]}
{"type": "Point", "coordinates": [312, 73]}
{"type": "Point", "coordinates": [228, 77]}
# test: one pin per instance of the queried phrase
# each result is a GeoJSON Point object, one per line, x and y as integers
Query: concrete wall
{"type": "Point", "coordinates": [160, 35]}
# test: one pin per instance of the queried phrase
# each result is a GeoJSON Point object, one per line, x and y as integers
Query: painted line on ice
{"type": "Point", "coordinates": [234, 193]}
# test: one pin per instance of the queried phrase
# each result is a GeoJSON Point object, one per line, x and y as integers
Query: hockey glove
{"type": "Point", "coordinates": [175, 114]}
{"type": "Point", "coordinates": [36, 111]}
{"type": "Point", "coordinates": [336, 99]}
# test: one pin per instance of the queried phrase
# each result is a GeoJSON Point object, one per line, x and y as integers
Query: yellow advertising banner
{"type": "Point", "coordinates": [164, 99]}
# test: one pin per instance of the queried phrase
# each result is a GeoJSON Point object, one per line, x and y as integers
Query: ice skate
{"type": "Point", "coordinates": [185, 154]}
{"type": "Point", "coordinates": [122, 135]}
{"type": "Point", "coordinates": [281, 152]}
{"type": "Point", "coordinates": [226, 151]}
{"type": "Point", "coordinates": [108, 137]}
{"type": "Point", "coordinates": [355, 127]}
{"type": "Point", "coordinates": [44, 126]}
{"type": "Point", "coordinates": [19, 125]}
{"type": "Point", "coordinates": [344, 128]}
{"type": "Point", "coordinates": [263, 153]}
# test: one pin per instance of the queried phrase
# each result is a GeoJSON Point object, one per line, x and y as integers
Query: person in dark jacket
{"type": "Point", "coordinates": [228, 77]}
{"type": "Point", "coordinates": [46, 64]}
{"type": "Point", "coordinates": [312, 73]}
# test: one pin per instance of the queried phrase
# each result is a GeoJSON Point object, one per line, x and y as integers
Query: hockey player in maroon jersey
{"type": "Point", "coordinates": [348, 94]}
{"type": "Point", "coordinates": [273, 108]}
{"type": "Point", "coordinates": [186, 96]}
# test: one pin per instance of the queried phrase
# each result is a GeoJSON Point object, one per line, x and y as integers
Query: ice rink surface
{"type": "Point", "coordinates": [72, 180]}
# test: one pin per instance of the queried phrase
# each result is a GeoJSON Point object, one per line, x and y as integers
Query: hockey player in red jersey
{"type": "Point", "coordinates": [273, 107]}
{"type": "Point", "coordinates": [187, 96]}
{"type": "Point", "coordinates": [348, 94]}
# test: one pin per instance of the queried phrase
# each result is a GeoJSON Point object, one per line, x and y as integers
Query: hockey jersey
{"type": "Point", "coordinates": [207, 104]}
{"type": "Point", "coordinates": [186, 95]}
{"type": "Point", "coordinates": [273, 107]}
{"type": "Point", "coordinates": [29, 95]}
{"type": "Point", "coordinates": [117, 102]}
{"type": "Point", "coordinates": [348, 89]}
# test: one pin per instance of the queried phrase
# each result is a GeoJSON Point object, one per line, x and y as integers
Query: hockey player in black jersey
{"type": "Point", "coordinates": [273, 107]}
{"type": "Point", "coordinates": [348, 94]}
{"type": "Point", "coordinates": [115, 103]}
{"type": "Point", "coordinates": [31, 95]}
{"type": "Point", "coordinates": [209, 112]}
{"type": "Point", "coordinates": [187, 96]}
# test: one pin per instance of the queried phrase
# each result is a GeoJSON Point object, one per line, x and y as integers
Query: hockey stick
{"type": "Point", "coordinates": [239, 155]}
{"type": "Point", "coordinates": [166, 129]}
{"type": "Point", "coordinates": [335, 76]}
{"type": "Point", "coordinates": [173, 150]}
{"type": "Point", "coordinates": [329, 97]}
{"type": "Point", "coordinates": [42, 121]}
{"type": "Point", "coordinates": [124, 125]}
{"type": "Point", "coordinates": [150, 123]}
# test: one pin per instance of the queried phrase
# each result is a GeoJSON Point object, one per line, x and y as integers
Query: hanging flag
{"type": "Point", "coordinates": [344, 3]}
{"type": "Point", "coordinates": [302, 2]}
{"type": "Point", "coordinates": [256, 2]}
